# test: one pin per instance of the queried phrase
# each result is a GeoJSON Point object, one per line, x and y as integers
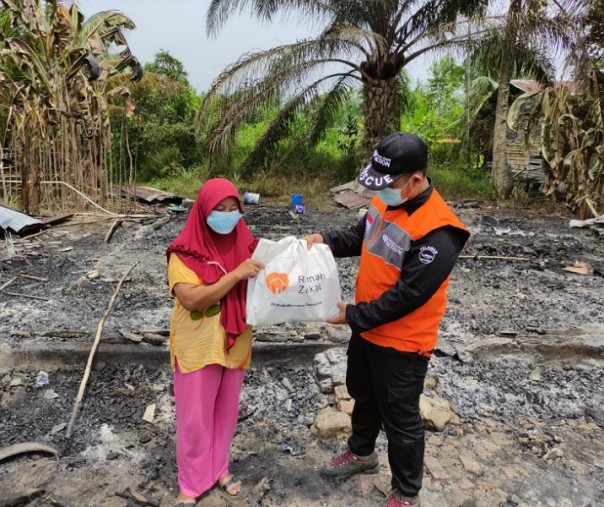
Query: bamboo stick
{"type": "Point", "coordinates": [494, 257]}
{"type": "Point", "coordinates": [28, 296]}
{"type": "Point", "coordinates": [95, 345]}
{"type": "Point", "coordinates": [36, 278]}
{"type": "Point", "coordinates": [8, 283]}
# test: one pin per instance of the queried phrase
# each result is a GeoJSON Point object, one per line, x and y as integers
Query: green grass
{"type": "Point", "coordinates": [456, 184]}
{"type": "Point", "coordinates": [276, 187]}
{"type": "Point", "coordinates": [272, 189]}
{"type": "Point", "coordinates": [185, 184]}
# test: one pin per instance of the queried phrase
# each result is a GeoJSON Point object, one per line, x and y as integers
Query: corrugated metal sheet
{"type": "Point", "coordinates": [55, 219]}
{"type": "Point", "coordinates": [526, 85]}
{"type": "Point", "coordinates": [152, 195]}
{"type": "Point", "coordinates": [530, 85]}
{"type": "Point", "coordinates": [352, 200]}
{"type": "Point", "coordinates": [352, 195]}
{"type": "Point", "coordinates": [16, 221]}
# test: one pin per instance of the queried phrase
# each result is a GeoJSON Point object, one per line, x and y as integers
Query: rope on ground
{"type": "Point", "coordinates": [95, 345]}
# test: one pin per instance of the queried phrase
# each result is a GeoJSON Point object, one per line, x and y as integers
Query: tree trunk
{"type": "Point", "coordinates": [502, 176]}
{"type": "Point", "coordinates": [381, 113]}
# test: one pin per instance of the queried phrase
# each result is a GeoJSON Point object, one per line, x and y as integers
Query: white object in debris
{"type": "Point", "coordinates": [49, 394]}
{"type": "Point", "coordinates": [149, 413]}
{"type": "Point", "coordinates": [586, 223]}
{"type": "Point", "coordinates": [58, 427]}
{"type": "Point", "coordinates": [42, 379]}
{"type": "Point", "coordinates": [361, 213]}
{"type": "Point", "coordinates": [10, 246]}
{"type": "Point", "coordinates": [93, 275]}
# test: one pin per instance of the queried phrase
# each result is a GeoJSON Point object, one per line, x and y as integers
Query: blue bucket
{"type": "Point", "coordinates": [297, 199]}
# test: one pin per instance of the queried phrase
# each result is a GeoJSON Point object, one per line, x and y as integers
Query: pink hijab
{"type": "Point", "coordinates": [211, 255]}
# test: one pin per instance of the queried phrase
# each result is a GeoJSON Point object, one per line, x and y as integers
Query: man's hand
{"type": "Point", "coordinates": [311, 239]}
{"type": "Point", "coordinates": [340, 318]}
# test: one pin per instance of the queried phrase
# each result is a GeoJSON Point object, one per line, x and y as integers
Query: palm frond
{"type": "Point", "coordinates": [328, 106]}
{"type": "Point", "coordinates": [265, 10]}
{"type": "Point", "coordinates": [279, 127]}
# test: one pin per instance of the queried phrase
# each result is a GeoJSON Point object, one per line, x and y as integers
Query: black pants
{"type": "Point", "coordinates": [386, 385]}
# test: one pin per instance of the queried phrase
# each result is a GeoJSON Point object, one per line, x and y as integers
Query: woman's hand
{"type": "Point", "coordinates": [311, 239]}
{"type": "Point", "coordinates": [248, 269]}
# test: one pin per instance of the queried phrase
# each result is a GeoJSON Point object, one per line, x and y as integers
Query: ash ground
{"type": "Point", "coordinates": [519, 357]}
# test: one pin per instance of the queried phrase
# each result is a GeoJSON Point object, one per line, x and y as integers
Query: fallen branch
{"type": "Point", "coordinates": [111, 230]}
{"type": "Point", "coordinates": [49, 333]}
{"type": "Point", "coordinates": [8, 283]}
{"type": "Point", "coordinates": [591, 207]}
{"type": "Point", "coordinates": [95, 345]}
{"type": "Point", "coordinates": [35, 278]}
{"type": "Point", "coordinates": [139, 498]}
{"type": "Point", "coordinates": [29, 296]}
{"type": "Point", "coordinates": [493, 258]}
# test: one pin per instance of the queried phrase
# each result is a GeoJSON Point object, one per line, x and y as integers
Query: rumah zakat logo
{"type": "Point", "coordinates": [277, 282]}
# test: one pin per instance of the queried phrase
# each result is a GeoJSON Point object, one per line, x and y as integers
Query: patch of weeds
{"type": "Point", "coordinates": [455, 183]}
{"type": "Point", "coordinates": [186, 183]}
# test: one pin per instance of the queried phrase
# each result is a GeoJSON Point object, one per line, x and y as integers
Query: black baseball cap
{"type": "Point", "coordinates": [395, 155]}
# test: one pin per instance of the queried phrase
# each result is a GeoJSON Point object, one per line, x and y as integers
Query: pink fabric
{"type": "Point", "coordinates": [210, 254]}
{"type": "Point", "coordinates": [207, 409]}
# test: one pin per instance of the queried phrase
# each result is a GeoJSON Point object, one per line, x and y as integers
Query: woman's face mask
{"type": "Point", "coordinates": [392, 196]}
{"type": "Point", "coordinates": [223, 222]}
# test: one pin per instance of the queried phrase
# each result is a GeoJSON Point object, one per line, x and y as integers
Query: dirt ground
{"type": "Point", "coordinates": [519, 359]}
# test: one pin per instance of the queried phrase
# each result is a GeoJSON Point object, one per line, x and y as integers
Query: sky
{"type": "Point", "coordinates": [178, 26]}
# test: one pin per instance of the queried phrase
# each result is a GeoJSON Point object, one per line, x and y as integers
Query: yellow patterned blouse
{"type": "Point", "coordinates": [197, 338]}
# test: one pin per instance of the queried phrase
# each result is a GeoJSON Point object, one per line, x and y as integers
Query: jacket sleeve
{"type": "Point", "coordinates": [417, 284]}
{"type": "Point", "coordinates": [346, 242]}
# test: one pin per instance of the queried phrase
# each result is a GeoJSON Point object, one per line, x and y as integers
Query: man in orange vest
{"type": "Point", "coordinates": [408, 243]}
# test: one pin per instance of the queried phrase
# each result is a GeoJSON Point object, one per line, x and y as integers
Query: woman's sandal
{"type": "Point", "coordinates": [228, 484]}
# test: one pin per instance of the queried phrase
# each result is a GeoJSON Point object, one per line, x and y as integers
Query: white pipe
{"type": "Point", "coordinates": [72, 188]}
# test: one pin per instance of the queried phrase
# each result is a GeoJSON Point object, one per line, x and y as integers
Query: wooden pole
{"type": "Point", "coordinates": [95, 345]}
{"type": "Point", "coordinates": [493, 258]}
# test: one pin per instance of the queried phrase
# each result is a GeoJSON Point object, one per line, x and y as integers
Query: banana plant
{"type": "Point", "coordinates": [59, 72]}
{"type": "Point", "coordinates": [572, 137]}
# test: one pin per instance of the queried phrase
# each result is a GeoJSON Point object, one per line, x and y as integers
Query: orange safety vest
{"type": "Point", "coordinates": [388, 235]}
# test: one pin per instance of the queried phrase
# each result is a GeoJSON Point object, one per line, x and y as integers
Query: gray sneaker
{"type": "Point", "coordinates": [347, 464]}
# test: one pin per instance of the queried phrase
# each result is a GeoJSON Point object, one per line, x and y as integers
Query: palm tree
{"type": "Point", "coordinates": [363, 43]}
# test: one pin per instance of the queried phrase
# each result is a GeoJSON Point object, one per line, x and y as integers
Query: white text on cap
{"type": "Point", "coordinates": [373, 181]}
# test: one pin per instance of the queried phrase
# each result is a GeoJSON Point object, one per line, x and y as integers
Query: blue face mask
{"type": "Point", "coordinates": [392, 196]}
{"type": "Point", "coordinates": [223, 222]}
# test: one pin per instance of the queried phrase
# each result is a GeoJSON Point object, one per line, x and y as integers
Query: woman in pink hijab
{"type": "Point", "coordinates": [210, 344]}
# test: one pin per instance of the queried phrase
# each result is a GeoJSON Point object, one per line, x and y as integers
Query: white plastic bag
{"type": "Point", "coordinates": [297, 284]}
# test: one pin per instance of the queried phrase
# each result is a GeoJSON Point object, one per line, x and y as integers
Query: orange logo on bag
{"type": "Point", "coordinates": [277, 282]}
